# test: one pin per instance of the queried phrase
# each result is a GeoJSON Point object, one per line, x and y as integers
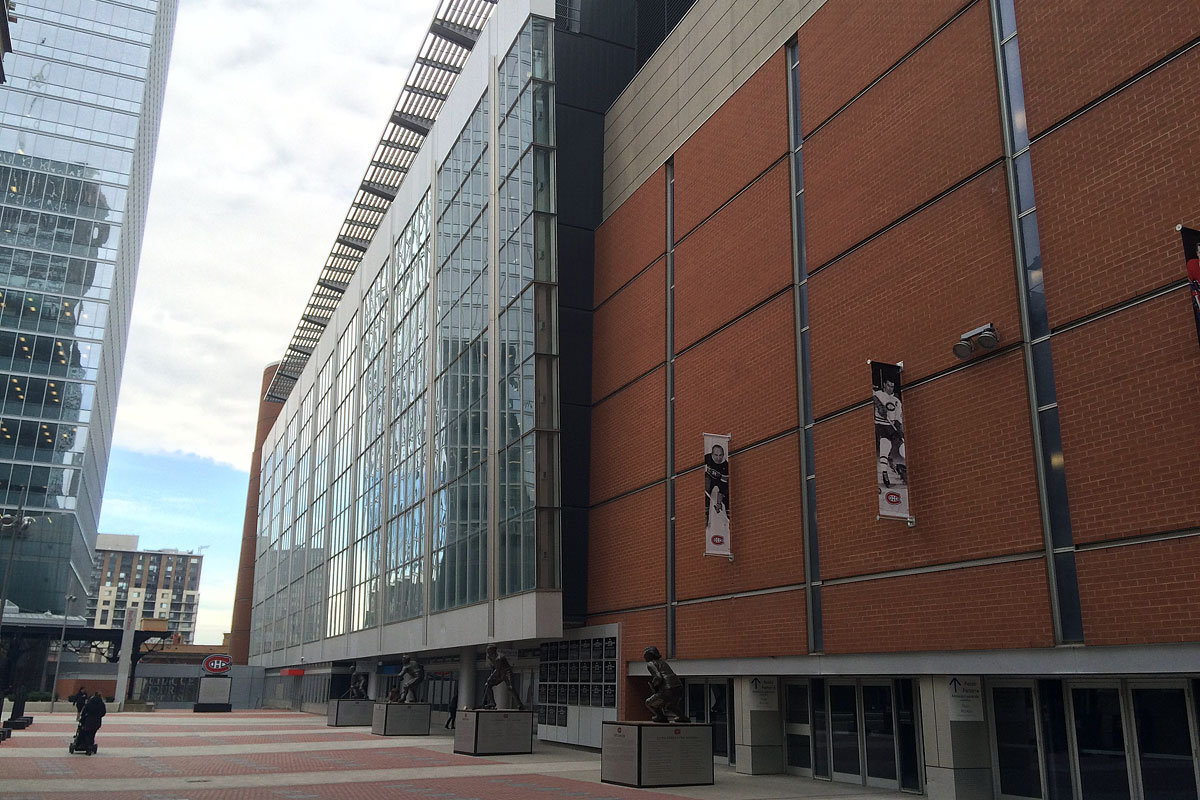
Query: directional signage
{"type": "Point", "coordinates": [966, 699]}
{"type": "Point", "coordinates": [764, 694]}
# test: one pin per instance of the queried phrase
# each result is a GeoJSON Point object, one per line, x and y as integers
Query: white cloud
{"type": "Point", "coordinates": [216, 606]}
{"type": "Point", "coordinates": [272, 111]}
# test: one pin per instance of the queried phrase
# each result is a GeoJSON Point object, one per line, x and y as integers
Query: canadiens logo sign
{"type": "Point", "coordinates": [893, 498]}
{"type": "Point", "coordinates": [718, 539]}
{"type": "Point", "coordinates": [217, 664]}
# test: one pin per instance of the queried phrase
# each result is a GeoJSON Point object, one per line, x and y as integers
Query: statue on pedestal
{"type": "Point", "coordinates": [358, 687]}
{"type": "Point", "coordinates": [413, 675]}
{"type": "Point", "coordinates": [501, 674]}
{"type": "Point", "coordinates": [666, 689]}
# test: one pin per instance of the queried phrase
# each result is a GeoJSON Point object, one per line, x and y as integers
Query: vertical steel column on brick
{"type": "Point", "coordinates": [670, 423]}
{"type": "Point", "coordinates": [812, 560]}
{"type": "Point", "coordinates": [1035, 333]}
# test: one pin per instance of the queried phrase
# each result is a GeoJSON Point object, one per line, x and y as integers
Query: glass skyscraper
{"type": "Point", "coordinates": [79, 118]}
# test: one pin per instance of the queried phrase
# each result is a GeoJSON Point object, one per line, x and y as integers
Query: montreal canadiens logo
{"type": "Point", "coordinates": [218, 664]}
{"type": "Point", "coordinates": [893, 498]}
{"type": "Point", "coordinates": [718, 539]}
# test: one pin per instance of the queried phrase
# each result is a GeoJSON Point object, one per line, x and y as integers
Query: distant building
{"type": "Point", "coordinates": [153, 584]}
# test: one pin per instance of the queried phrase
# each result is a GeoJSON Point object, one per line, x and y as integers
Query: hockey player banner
{"type": "Point", "coordinates": [716, 496]}
{"type": "Point", "coordinates": [891, 472]}
{"type": "Point", "coordinates": [1191, 255]}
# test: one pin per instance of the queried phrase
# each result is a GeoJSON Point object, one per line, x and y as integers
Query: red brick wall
{"type": "Point", "coordinates": [1110, 188]}
{"type": "Point", "coordinates": [972, 485]}
{"type": "Point", "coordinates": [743, 627]}
{"type": "Point", "coordinates": [1127, 405]}
{"type": "Point", "coordinates": [632, 237]}
{"type": "Point", "coordinates": [833, 69]}
{"type": "Point", "coordinates": [914, 290]}
{"type": "Point", "coordinates": [639, 630]}
{"type": "Point", "coordinates": [629, 332]}
{"type": "Point", "coordinates": [981, 608]}
{"type": "Point", "coordinates": [627, 552]}
{"type": "Point", "coordinates": [930, 123]}
{"type": "Point", "coordinates": [741, 381]}
{"type": "Point", "coordinates": [736, 259]}
{"type": "Point", "coordinates": [628, 447]}
{"type": "Point", "coordinates": [1141, 593]}
{"type": "Point", "coordinates": [746, 135]}
{"type": "Point", "coordinates": [1073, 51]}
{"type": "Point", "coordinates": [768, 544]}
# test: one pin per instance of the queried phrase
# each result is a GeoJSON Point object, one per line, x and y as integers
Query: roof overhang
{"type": "Point", "coordinates": [451, 37]}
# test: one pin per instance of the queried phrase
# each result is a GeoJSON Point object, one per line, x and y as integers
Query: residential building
{"type": "Point", "coordinates": [982, 194]}
{"type": "Point", "coordinates": [147, 584]}
{"type": "Point", "coordinates": [79, 117]}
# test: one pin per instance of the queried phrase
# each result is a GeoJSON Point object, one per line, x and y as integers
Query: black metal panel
{"type": "Point", "coordinates": [651, 28]}
{"type": "Point", "coordinates": [612, 20]}
{"type": "Point", "coordinates": [589, 72]}
{"type": "Point", "coordinates": [575, 356]}
{"type": "Point", "coordinates": [580, 167]}
{"type": "Point", "coordinates": [576, 256]}
{"type": "Point", "coordinates": [574, 564]}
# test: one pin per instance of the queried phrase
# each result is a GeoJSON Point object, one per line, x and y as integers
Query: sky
{"type": "Point", "coordinates": [272, 113]}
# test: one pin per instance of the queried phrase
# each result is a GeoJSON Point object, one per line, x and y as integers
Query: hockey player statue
{"type": "Point", "coordinates": [501, 674]}
{"type": "Point", "coordinates": [666, 689]}
{"type": "Point", "coordinates": [412, 676]}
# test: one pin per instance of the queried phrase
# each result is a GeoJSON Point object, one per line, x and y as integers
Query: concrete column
{"type": "Point", "coordinates": [758, 726]}
{"type": "Point", "coordinates": [466, 678]}
{"type": "Point", "coordinates": [958, 759]}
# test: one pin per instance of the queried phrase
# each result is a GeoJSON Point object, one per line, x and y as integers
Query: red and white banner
{"type": "Point", "coordinates": [1191, 257]}
{"type": "Point", "coordinates": [891, 470]}
{"type": "Point", "coordinates": [716, 495]}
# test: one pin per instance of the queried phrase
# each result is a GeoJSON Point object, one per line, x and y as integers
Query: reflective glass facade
{"type": "Point", "coordinates": [425, 426]}
{"type": "Point", "coordinates": [78, 127]}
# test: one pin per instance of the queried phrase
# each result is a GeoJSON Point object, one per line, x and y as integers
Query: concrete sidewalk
{"type": "Point", "coordinates": [282, 755]}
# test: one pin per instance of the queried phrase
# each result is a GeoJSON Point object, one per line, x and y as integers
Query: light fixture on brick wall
{"type": "Point", "coordinates": [984, 336]}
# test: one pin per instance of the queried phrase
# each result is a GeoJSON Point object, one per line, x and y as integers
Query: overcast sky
{"type": "Point", "coordinates": [272, 112]}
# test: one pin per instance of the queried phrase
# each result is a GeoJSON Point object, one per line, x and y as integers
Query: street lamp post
{"type": "Point", "coordinates": [62, 636]}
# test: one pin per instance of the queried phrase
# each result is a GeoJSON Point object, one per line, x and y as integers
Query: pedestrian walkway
{"type": "Point", "coordinates": [277, 755]}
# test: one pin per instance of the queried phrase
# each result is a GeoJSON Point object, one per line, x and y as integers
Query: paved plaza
{"type": "Point", "coordinates": [253, 755]}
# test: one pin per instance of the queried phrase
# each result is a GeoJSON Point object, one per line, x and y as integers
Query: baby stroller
{"type": "Point", "coordinates": [85, 740]}
{"type": "Point", "coordinates": [89, 722]}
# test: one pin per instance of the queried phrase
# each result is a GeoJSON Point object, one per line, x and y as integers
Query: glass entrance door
{"type": "Point", "coordinates": [1018, 762]}
{"type": "Point", "coordinates": [843, 732]}
{"type": "Point", "coordinates": [1101, 766]}
{"type": "Point", "coordinates": [879, 734]}
{"type": "Point", "coordinates": [709, 700]}
{"type": "Point", "coordinates": [797, 728]}
{"type": "Point", "coordinates": [1165, 758]}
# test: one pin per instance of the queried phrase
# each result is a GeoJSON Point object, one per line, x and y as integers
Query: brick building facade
{"type": "Point", "coordinates": [853, 185]}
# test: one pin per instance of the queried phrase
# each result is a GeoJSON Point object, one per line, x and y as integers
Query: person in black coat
{"type": "Point", "coordinates": [89, 720]}
{"type": "Point", "coordinates": [79, 699]}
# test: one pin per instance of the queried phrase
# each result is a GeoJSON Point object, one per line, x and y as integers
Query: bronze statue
{"type": "Point", "coordinates": [358, 686]}
{"type": "Point", "coordinates": [501, 673]}
{"type": "Point", "coordinates": [412, 676]}
{"type": "Point", "coordinates": [666, 689]}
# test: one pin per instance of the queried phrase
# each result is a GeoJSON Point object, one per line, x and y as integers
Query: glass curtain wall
{"type": "Point", "coordinates": [459, 568]}
{"type": "Point", "coordinates": [527, 330]}
{"type": "Point", "coordinates": [372, 388]}
{"type": "Point", "coordinates": [407, 456]}
{"type": "Point", "coordinates": [383, 493]}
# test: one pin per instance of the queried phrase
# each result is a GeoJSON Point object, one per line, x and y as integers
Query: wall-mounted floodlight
{"type": "Point", "coordinates": [984, 336]}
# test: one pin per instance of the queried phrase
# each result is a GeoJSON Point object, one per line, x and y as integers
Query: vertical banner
{"type": "Point", "coordinates": [716, 496]}
{"type": "Point", "coordinates": [891, 471]}
{"type": "Point", "coordinates": [1191, 256]}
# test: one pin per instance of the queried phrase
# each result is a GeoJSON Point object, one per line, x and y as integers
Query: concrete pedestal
{"type": "Point", "coordinates": [343, 713]}
{"type": "Point", "coordinates": [493, 732]}
{"type": "Point", "coordinates": [214, 694]}
{"type": "Point", "coordinates": [401, 719]}
{"type": "Point", "coordinates": [652, 754]}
